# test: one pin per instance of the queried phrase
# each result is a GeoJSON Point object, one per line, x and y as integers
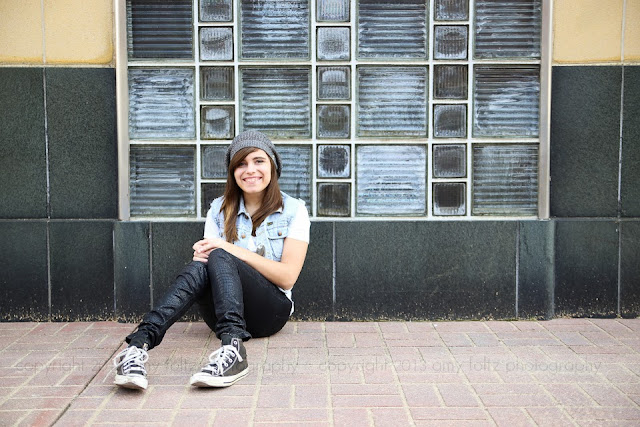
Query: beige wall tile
{"type": "Point", "coordinates": [632, 31]}
{"type": "Point", "coordinates": [20, 31]}
{"type": "Point", "coordinates": [78, 31]}
{"type": "Point", "coordinates": [587, 30]}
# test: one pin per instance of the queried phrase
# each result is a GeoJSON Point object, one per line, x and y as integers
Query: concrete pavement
{"type": "Point", "coordinates": [559, 372]}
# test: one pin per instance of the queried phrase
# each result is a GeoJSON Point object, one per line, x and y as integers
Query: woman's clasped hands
{"type": "Point", "coordinates": [202, 248]}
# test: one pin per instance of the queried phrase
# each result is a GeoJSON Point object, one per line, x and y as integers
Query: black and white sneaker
{"type": "Point", "coordinates": [130, 368]}
{"type": "Point", "coordinates": [226, 365]}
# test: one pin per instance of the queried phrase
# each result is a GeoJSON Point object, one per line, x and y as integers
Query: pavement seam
{"type": "Point", "coordinates": [325, 348]}
{"type": "Point", "coordinates": [183, 397]}
{"type": "Point", "coordinates": [259, 372]}
{"type": "Point", "coordinates": [104, 402]}
{"type": "Point", "coordinates": [396, 379]}
{"type": "Point", "coordinates": [544, 385]}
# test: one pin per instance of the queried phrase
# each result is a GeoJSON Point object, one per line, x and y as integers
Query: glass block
{"type": "Point", "coordinates": [391, 179]}
{"type": "Point", "coordinates": [213, 166]}
{"type": "Point", "coordinates": [209, 192]}
{"type": "Point", "coordinates": [451, 10]}
{"type": "Point", "coordinates": [161, 103]}
{"type": "Point", "coordinates": [450, 81]}
{"type": "Point", "coordinates": [276, 100]}
{"type": "Point", "coordinates": [451, 41]}
{"type": "Point", "coordinates": [505, 179]}
{"type": "Point", "coordinates": [449, 161]}
{"type": "Point", "coordinates": [334, 161]}
{"type": "Point", "coordinates": [274, 29]}
{"type": "Point", "coordinates": [216, 44]}
{"type": "Point", "coordinates": [449, 198]}
{"type": "Point", "coordinates": [334, 44]}
{"type": "Point", "coordinates": [450, 121]}
{"type": "Point", "coordinates": [392, 29]}
{"type": "Point", "coordinates": [506, 101]}
{"type": "Point", "coordinates": [159, 29]}
{"type": "Point", "coordinates": [332, 10]}
{"type": "Point", "coordinates": [217, 122]}
{"type": "Point", "coordinates": [296, 171]}
{"type": "Point", "coordinates": [334, 199]}
{"type": "Point", "coordinates": [216, 83]}
{"type": "Point", "coordinates": [162, 181]}
{"type": "Point", "coordinates": [216, 10]}
{"type": "Point", "coordinates": [392, 101]}
{"type": "Point", "coordinates": [334, 82]}
{"type": "Point", "coordinates": [508, 28]}
{"type": "Point", "coordinates": [334, 121]}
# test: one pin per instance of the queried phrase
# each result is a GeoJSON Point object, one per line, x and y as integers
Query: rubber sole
{"type": "Point", "coordinates": [134, 383]}
{"type": "Point", "coordinates": [204, 380]}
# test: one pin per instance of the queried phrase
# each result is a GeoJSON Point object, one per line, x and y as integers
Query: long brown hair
{"type": "Point", "coordinates": [271, 202]}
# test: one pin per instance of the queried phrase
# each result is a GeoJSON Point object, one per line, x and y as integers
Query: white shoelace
{"type": "Point", "coordinates": [222, 357]}
{"type": "Point", "coordinates": [130, 357]}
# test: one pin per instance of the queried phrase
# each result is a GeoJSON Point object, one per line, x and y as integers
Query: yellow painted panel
{"type": "Point", "coordinates": [20, 31]}
{"type": "Point", "coordinates": [587, 30]}
{"type": "Point", "coordinates": [78, 31]}
{"type": "Point", "coordinates": [632, 31]}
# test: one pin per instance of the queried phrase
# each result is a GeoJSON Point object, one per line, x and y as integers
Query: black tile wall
{"type": "Point", "coordinates": [313, 292]}
{"type": "Point", "coordinates": [132, 270]}
{"type": "Point", "coordinates": [448, 270]}
{"type": "Point", "coordinates": [585, 141]}
{"type": "Point", "coordinates": [23, 169]}
{"type": "Point", "coordinates": [171, 248]}
{"type": "Point", "coordinates": [81, 123]}
{"type": "Point", "coordinates": [23, 263]}
{"type": "Point", "coordinates": [425, 270]}
{"type": "Point", "coordinates": [630, 269]}
{"type": "Point", "coordinates": [630, 179]}
{"type": "Point", "coordinates": [81, 254]}
{"type": "Point", "coordinates": [586, 268]}
{"type": "Point", "coordinates": [535, 268]}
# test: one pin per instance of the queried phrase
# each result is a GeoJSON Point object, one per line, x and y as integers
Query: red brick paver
{"type": "Point", "coordinates": [521, 373]}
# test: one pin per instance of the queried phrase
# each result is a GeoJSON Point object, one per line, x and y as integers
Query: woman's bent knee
{"type": "Point", "coordinates": [219, 256]}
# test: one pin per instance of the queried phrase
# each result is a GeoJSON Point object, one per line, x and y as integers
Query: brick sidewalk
{"type": "Point", "coordinates": [559, 372]}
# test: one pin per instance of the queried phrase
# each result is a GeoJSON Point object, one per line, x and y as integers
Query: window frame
{"type": "Point", "coordinates": [545, 62]}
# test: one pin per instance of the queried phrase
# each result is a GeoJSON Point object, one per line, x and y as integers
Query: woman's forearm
{"type": "Point", "coordinates": [280, 274]}
{"type": "Point", "coordinates": [283, 273]}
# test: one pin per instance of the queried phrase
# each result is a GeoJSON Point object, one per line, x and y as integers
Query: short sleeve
{"type": "Point", "coordinates": [210, 228]}
{"type": "Point", "coordinates": [300, 224]}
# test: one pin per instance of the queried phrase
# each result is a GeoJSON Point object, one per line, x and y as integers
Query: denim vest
{"type": "Point", "coordinates": [270, 234]}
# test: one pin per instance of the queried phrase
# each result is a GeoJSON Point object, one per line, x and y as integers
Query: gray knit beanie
{"type": "Point", "coordinates": [255, 139]}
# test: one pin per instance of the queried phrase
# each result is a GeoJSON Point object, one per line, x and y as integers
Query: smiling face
{"type": "Point", "coordinates": [253, 173]}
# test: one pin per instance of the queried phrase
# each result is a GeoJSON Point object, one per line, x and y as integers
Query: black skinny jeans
{"type": "Point", "coordinates": [233, 299]}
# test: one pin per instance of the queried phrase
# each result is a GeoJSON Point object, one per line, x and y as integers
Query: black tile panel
{"type": "Point", "coordinates": [425, 270]}
{"type": "Point", "coordinates": [132, 270]}
{"type": "Point", "coordinates": [23, 263]}
{"type": "Point", "coordinates": [586, 268]}
{"type": "Point", "coordinates": [585, 141]}
{"type": "Point", "coordinates": [81, 123]}
{"type": "Point", "coordinates": [630, 179]}
{"type": "Point", "coordinates": [23, 168]}
{"type": "Point", "coordinates": [535, 268]}
{"type": "Point", "coordinates": [630, 269]}
{"type": "Point", "coordinates": [171, 244]}
{"type": "Point", "coordinates": [81, 254]}
{"type": "Point", "coordinates": [313, 294]}
{"type": "Point", "coordinates": [171, 249]}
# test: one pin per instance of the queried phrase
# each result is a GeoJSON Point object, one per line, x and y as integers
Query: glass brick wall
{"type": "Point", "coordinates": [379, 108]}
